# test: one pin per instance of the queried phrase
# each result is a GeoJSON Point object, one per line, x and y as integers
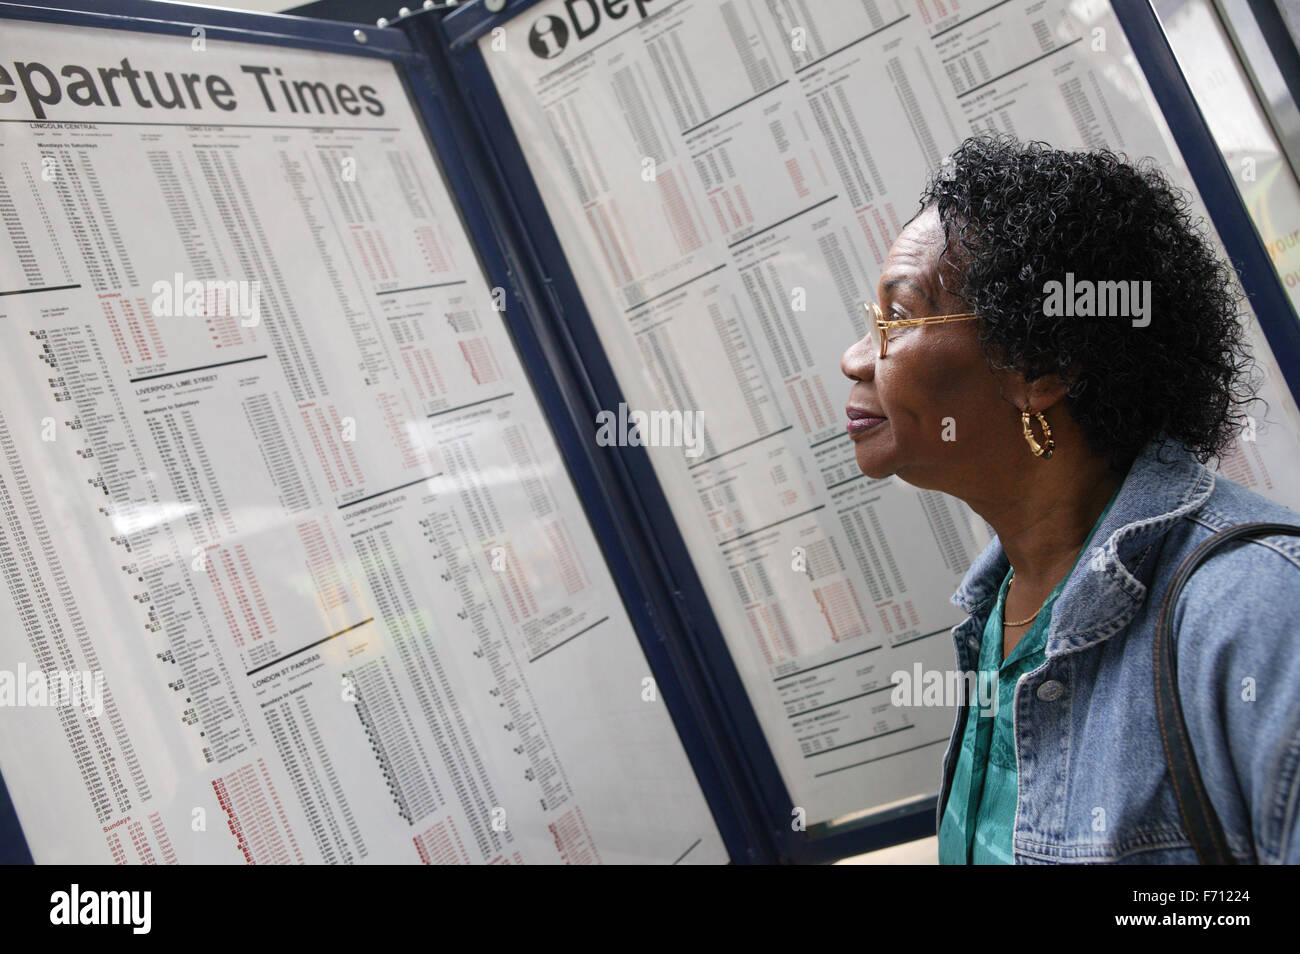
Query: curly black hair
{"type": "Point", "coordinates": [1019, 215]}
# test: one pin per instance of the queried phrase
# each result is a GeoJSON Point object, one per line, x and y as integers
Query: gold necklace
{"type": "Point", "coordinates": [1007, 622]}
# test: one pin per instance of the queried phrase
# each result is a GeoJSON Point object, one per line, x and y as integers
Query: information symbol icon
{"type": "Point", "coordinates": [548, 37]}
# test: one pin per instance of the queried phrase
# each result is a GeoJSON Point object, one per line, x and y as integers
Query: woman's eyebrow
{"type": "Point", "coordinates": [892, 283]}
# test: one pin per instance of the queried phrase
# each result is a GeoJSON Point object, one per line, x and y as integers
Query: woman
{"type": "Point", "coordinates": [1081, 439]}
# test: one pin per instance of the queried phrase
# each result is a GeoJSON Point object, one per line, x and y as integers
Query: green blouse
{"type": "Point", "coordinates": [984, 779]}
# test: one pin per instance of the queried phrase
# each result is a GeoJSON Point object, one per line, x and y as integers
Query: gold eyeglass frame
{"type": "Point", "coordinates": [878, 325]}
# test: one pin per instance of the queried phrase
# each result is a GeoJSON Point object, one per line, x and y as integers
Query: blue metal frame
{"type": "Point", "coordinates": [648, 509]}
{"type": "Point", "coordinates": [1214, 182]}
{"type": "Point", "coordinates": [492, 237]}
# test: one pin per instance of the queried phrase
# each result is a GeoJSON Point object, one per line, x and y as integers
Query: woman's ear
{"type": "Point", "coordinates": [1040, 394]}
{"type": "Point", "coordinates": [1045, 391]}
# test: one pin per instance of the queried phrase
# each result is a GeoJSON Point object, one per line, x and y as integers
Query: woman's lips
{"type": "Point", "coordinates": [863, 424]}
{"type": "Point", "coordinates": [861, 421]}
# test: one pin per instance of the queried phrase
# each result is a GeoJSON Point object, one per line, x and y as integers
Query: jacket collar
{"type": "Point", "coordinates": [1102, 593]}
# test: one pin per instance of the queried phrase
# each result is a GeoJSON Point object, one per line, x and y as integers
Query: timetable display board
{"type": "Point", "coordinates": [273, 479]}
{"type": "Point", "coordinates": [725, 180]}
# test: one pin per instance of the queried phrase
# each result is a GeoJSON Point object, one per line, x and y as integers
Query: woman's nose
{"type": "Point", "coordinates": [858, 363]}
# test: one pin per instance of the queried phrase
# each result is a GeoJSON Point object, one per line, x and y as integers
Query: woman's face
{"type": "Point", "coordinates": [931, 410]}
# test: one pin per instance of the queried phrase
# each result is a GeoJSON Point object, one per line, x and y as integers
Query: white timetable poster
{"type": "Point", "coordinates": [726, 178]}
{"type": "Point", "coordinates": [273, 479]}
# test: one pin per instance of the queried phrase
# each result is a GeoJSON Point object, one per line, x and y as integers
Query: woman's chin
{"type": "Point", "coordinates": [874, 464]}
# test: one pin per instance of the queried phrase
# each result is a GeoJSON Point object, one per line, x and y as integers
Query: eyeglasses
{"type": "Point", "coordinates": [878, 325]}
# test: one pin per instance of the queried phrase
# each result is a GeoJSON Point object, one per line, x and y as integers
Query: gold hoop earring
{"type": "Point", "coordinates": [1045, 449]}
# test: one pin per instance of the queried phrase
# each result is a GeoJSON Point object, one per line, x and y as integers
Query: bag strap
{"type": "Point", "coordinates": [1194, 804]}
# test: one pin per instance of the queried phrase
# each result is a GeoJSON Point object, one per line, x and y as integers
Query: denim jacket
{"type": "Point", "coordinates": [1093, 782]}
